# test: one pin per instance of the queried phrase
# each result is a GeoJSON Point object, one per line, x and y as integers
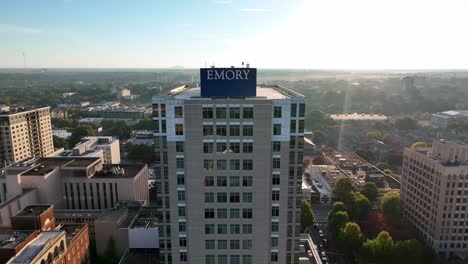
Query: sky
{"type": "Point", "coordinates": [299, 34]}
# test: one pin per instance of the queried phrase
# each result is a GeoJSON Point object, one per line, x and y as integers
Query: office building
{"type": "Point", "coordinates": [229, 170]}
{"type": "Point", "coordinates": [70, 183]}
{"type": "Point", "coordinates": [24, 133]}
{"type": "Point", "coordinates": [434, 195]}
{"type": "Point", "coordinates": [444, 120]}
{"type": "Point", "coordinates": [107, 148]}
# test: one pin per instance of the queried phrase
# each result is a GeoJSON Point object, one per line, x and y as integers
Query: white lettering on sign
{"type": "Point", "coordinates": [228, 74]}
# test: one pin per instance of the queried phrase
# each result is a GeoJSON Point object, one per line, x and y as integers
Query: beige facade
{"type": "Point", "coordinates": [229, 176]}
{"type": "Point", "coordinates": [434, 195]}
{"type": "Point", "coordinates": [25, 133]}
{"type": "Point", "coordinates": [105, 147]}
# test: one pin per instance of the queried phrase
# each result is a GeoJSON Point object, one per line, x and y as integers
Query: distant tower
{"type": "Point", "coordinates": [407, 83]}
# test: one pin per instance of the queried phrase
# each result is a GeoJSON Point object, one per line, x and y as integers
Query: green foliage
{"type": "Point", "coordinates": [370, 191]}
{"type": "Point", "coordinates": [117, 128]}
{"type": "Point", "coordinates": [319, 138]}
{"type": "Point", "coordinates": [318, 160]}
{"type": "Point", "coordinates": [374, 135]}
{"type": "Point", "coordinates": [439, 135]}
{"type": "Point", "coordinates": [307, 215]}
{"type": "Point", "coordinates": [337, 220]}
{"type": "Point", "coordinates": [60, 142]}
{"type": "Point", "coordinates": [80, 132]}
{"type": "Point", "coordinates": [146, 124]}
{"type": "Point", "coordinates": [365, 154]}
{"type": "Point", "coordinates": [390, 206]}
{"type": "Point", "coordinates": [360, 207]}
{"type": "Point", "coordinates": [350, 238]}
{"type": "Point", "coordinates": [338, 206]}
{"type": "Point", "coordinates": [406, 123]}
{"type": "Point", "coordinates": [379, 250]}
{"type": "Point", "coordinates": [141, 153]}
{"type": "Point", "coordinates": [388, 171]}
{"type": "Point", "coordinates": [343, 190]}
{"type": "Point", "coordinates": [314, 119]}
{"type": "Point", "coordinates": [387, 139]}
{"type": "Point", "coordinates": [64, 123]}
{"type": "Point", "coordinates": [418, 144]}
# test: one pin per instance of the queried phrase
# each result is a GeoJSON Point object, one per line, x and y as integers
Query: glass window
{"type": "Point", "coordinates": [222, 244]}
{"type": "Point", "coordinates": [235, 259]}
{"type": "Point", "coordinates": [247, 113]}
{"type": "Point", "coordinates": [276, 163]}
{"type": "Point", "coordinates": [209, 197]}
{"type": "Point", "coordinates": [208, 147]}
{"type": "Point", "coordinates": [155, 110]}
{"type": "Point", "coordinates": [277, 112]}
{"type": "Point", "coordinates": [276, 146]}
{"type": "Point", "coordinates": [301, 126]}
{"type": "Point", "coordinates": [293, 110]}
{"type": "Point", "coordinates": [301, 110]}
{"type": "Point", "coordinates": [208, 181]}
{"type": "Point", "coordinates": [246, 181]}
{"type": "Point", "coordinates": [234, 112]}
{"type": "Point", "coordinates": [234, 181]}
{"type": "Point", "coordinates": [292, 157]}
{"type": "Point", "coordinates": [247, 197]}
{"type": "Point", "coordinates": [222, 213]}
{"type": "Point", "coordinates": [221, 147]}
{"type": "Point", "coordinates": [234, 244]}
{"type": "Point", "coordinates": [234, 229]}
{"type": "Point", "coordinates": [300, 142]}
{"type": "Point", "coordinates": [180, 163]}
{"type": "Point", "coordinates": [179, 146]}
{"type": "Point", "coordinates": [222, 229]}
{"type": "Point", "coordinates": [209, 213]}
{"type": "Point", "coordinates": [221, 181]}
{"type": "Point", "coordinates": [156, 126]}
{"type": "Point", "coordinates": [247, 244]}
{"type": "Point", "coordinates": [234, 164]}
{"type": "Point", "coordinates": [181, 210]}
{"type": "Point", "coordinates": [163, 126]}
{"type": "Point", "coordinates": [221, 197]}
{"type": "Point", "coordinates": [247, 147]}
{"type": "Point", "coordinates": [247, 229]}
{"type": "Point", "coordinates": [182, 227]}
{"type": "Point", "coordinates": [292, 126]}
{"type": "Point", "coordinates": [274, 227]}
{"type": "Point", "coordinates": [234, 197]}
{"type": "Point", "coordinates": [209, 229]}
{"type": "Point", "coordinates": [221, 164]}
{"type": "Point", "coordinates": [208, 164]}
{"type": "Point", "coordinates": [178, 112]}
{"type": "Point", "coordinates": [180, 179]}
{"type": "Point", "coordinates": [274, 256]}
{"type": "Point", "coordinates": [183, 243]}
{"type": "Point", "coordinates": [234, 147]}
{"type": "Point", "coordinates": [207, 130]}
{"type": "Point", "coordinates": [210, 259]}
{"type": "Point", "coordinates": [247, 213]}
{"type": "Point", "coordinates": [209, 244]}
{"type": "Point", "coordinates": [275, 211]}
{"type": "Point", "coordinates": [292, 142]}
{"type": "Point", "coordinates": [247, 130]}
{"type": "Point", "coordinates": [275, 195]}
{"type": "Point", "coordinates": [222, 259]}
{"type": "Point", "coordinates": [220, 112]}
{"type": "Point", "coordinates": [163, 110]}
{"type": "Point", "coordinates": [247, 164]}
{"type": "Point", "coordinates": [274, 242]}
{"type": "Point", "coordinates": [277, 129]}
{"type": "Point", "coordinates": [221, 130]}
{"type": "Point", "coordinates": [208, 112]}
{"type": "Point", "coordinates": [234, 130]}
{"type": "Point", "coordinates": [234, 213]}
{"type": "Point", "coordinates": [181, 196]}
{"type": "Point", "coordinates": [246, 259]}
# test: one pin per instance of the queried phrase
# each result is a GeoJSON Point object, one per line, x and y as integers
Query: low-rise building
{"type": "Point", "coordinates": [107, 148]}
{"type": "Point", "coordinates": [443, 120]}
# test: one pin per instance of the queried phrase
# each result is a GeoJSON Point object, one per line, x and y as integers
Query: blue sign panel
{"type": "Point", "coordinates": [228, 82]}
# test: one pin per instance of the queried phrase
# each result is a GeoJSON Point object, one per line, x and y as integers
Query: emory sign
{"type": "Point", "coordinates": [226, 82]}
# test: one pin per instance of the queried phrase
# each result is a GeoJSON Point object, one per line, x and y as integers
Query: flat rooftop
{"type": "Point", "coordinates": [119, 171]}
{"type": "Point", "coordinates": [141, 256]}
{"type": "Point", "coordinates": [43, 166]}
{"type": "Point", "coordinates": [357, 116]}
{"type": "Point", "coordinates": [28, 253]}
{"type": "Point", "coordinates": [146, 218]}
{"type": "Point", "coordinates": [12, 238]}
{"type": "Point", "coordinates": [263, 92]}
{"type": "Point", "coordinates": [33, 210]}
{"type": "Point", "coordinates": [20, 110]}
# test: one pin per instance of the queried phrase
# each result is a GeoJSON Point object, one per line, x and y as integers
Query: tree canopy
{"type": "Point", "coordinates": [369, 190]}
{"type": "Point", "coordinates": [141, 153]}
{"type": "Point", "coordinates": [307, 215]}
{"type": "Point", "coordinates": [343, 190]}
{"type": "Point", "coordinates": [418, 144]}
{"type": "Point", "coordinates": [360, 207]}
{"type": "Point", "coordinates": [319, 138]}
{"type": "Point", "coordinates": [350, 237]}
{"type": "Point", "coordinates": [406, 123]}
{"type": "Point", "coordinates": [390, 206]}
{"type": "Point", "coordinates": [337, 220]}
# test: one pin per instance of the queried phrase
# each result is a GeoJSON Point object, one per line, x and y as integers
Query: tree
{"type": "Point", "coordinates": [338, 206]}
{"type": "Point", "coordinates": [307, 215]}
{"type": "Point", "coordinates": [369, 190]}
{"type": "Point", "coordinates": [380, 249]}
{"type": "Point", "coordinates": [140, 152]}
{"type": "Point", "coordinates": [318, 160]}
{"type": "Point", "coordinates": [373, 135]}
{"type": "Point", "coordinates": [388, 171]}
{"type": "Point", "coordinates": [418, 144]}
{"type": "Point", "coordinates": [387, 139]}
{"type": "Point", "coordinates": [79, 132]}
{"type": "Point", "coordinates": [360, 207]}
{"type": "Point", "coordinates": [390, 206]}
{"type": "Point", "coordinates": [343, 190]}
{"type": "Point", "coordinates": [337, 220]}
{"type": "Point", "coordinates": [406, 123]}
{"type": "Point", "coordinates": [350, 238]}
{"type": "Point", "coordinates": [319, 138]}
{"type": "Point", "coordinates": [145, 124]}
{"type": "Point", "coordinates": [60, 142]}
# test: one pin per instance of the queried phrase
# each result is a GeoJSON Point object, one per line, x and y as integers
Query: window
{"type": "Point", "coordinates": [209, 213]}
{"type": "Point", "coordinates": [276, 146]}
{"type": "Point", "coordinates": [292, 128]}
{"type": "Point", "coordinates": [292, 157]}
{"type": "Point", "coordinates": [181, 210]}
{"type": "Point", "coordinates": [234, 181]}
{"type": "Point", "coordinates": [277, 129]}
{"type": "Point", "coordinates": [209, 244]}
{"type": "Point", "coordinates": [234, 229]}
{"type": "Point", "coordinates": [293, 110]}
{"type": "Point", "coordinates": [234, 112]}
{"type": "Point", "coordinates": [235, 259]}
{"type": "Point", "coordinates": [246, 259]}
{"type": "Point", "coordinates": [222, 213]}
{"type": "Point", "coordinates": [274, 256]}
{"type": "Point", "coordinates": [301, 110]}
{"type": "Point", "coordinates": [210, 259]}
{"type": "Point", "coordinates": [207, 130]}
{"type": "Point", "coordinates": [179, 146]}
{"type": "Point", "coordinates": [209, 229]}
{"type": "Point", "coordinates": [234, 147]}
{"type": "Point", "coordinates": [300, 142]}
{"type": "Point", "coordinates": [234, 213]}
{"type": "Point", "coordinates": [246, 181]}
{"type": "Point", "coordinates": [234, 197]}
{"type": "Point", "coordinates": [275, 211]}
{"type": "Point", "coordinates": [209, 197]}
{"type": "Point", "coordinates": [276, 163]}
{"type": "Point", "coordinates": [234, 164]}
{"type": "Point", "coordinates": [221, 130]}
{"type": "Point", "coordinates": [178, 112]}
{"type": "Point", "coordinates": [181, 196]}
{"type": "Point", "coordinates": [182, 242]}
{"type": "Point", "coordinates": [222, 244]}
{"type": "Point", "coordinates": [208, 112]}
{"type": "Point", "coordinates": [155, 110]}
{"type": "Point", "coordinates": [222, 229]}
{"type": "Point", "coordinates": [247, 164]}
{"type": "Point", "coordinates": [247, 113]}
{"type": "Point", "coordinates": [275, 195]}
{"type": "Point", "coordinates": [247, 130]}
{"type": "Point", "coordinates": [163, 126]}
{"type": "Point", "coordinates": [180, 163]}
{"type": "Point", "coordinates": [247, 147]}
{"type": "Point", "coordinates": [301, 126]}
{"type": "Point", "coordinates": [221, 181]}
{"type": "Point", "coordinates": [274, 227]}
{"type": "Point", "coordinates": [292, 142]}
{"type": "Point", "coordinates": [247, 213]}
{"type": "Point", "coordinates": [221, 164]}
{"type": "Point", "coordinates": [163, 110]}
{"type": "Point", "coordinates": [208, 147]}
{"type": "Point", "coordinates": [234, 130]}
{"type": "Point", "coordinates": [277, 111]}
{"type": "Point", "coordinates": [180, 179]}
{"type": "Point", "coordinates": [247, 229]}
{"type": "Point", "coordinates": [247, 244]}
{"type": "Point", "coordinates": [220, 112]}
{"type": "Point", "coordinates": [274, 242]}
{"type": "Point", "coordinates": [182, 227]}
{"type": "Point", "coordinates": [221, 197]}
{"type": "Point", "coordinates": [247, 197]}
{"type": "Point", "coordinates": [208, 181]}
{"type": "Point", "coordinates": [208, 164]}
{"type": "Point", "coordinates": [222, 259]}
{"type": "Point", "coordinates": [234, 244]}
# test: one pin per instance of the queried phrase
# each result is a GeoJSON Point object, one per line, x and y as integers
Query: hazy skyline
{"type": "Point", "coordinates": [317, 34]}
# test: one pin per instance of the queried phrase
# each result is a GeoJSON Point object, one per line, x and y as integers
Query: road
{"type": "Point", "coordinates": [321, 212]}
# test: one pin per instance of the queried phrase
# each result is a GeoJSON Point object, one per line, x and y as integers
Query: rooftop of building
{"type": "Point", "coordinates": [71, 230]}
{"type": "Point", "coordinates": [269, 92]}
{"type": "Point", "coordinates": [28, 253]}
{"type": "Point", "coordinates": [453, 113]}
{"type": "Point", "coordinates": [141, 256]}
{"type": "Point", "coordinates": [7, 110]}
{"type": "Point", "coordinates": [356, 116]}
{"type": "Point", "coordinates": [119, 171]}
{"type": "Point", "coordinates": [124, 213]}
{"type": "Point", "coordinates": [11, 238]}
{"type": "Point", "coordinates": [146, 218]}
{"type": "Point", "coordinates": [33, 210]}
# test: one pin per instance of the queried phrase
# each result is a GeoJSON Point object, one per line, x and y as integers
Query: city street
{"type": "Point", "coordinates": [321, 212]}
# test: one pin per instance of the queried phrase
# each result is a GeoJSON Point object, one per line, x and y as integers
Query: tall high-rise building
{"type": "Point", "coordinates": [229, 171]}
{"type": "Point", "coordinates": [434, 195]}
{"type": "Point", "coordinates": [25, 133]}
